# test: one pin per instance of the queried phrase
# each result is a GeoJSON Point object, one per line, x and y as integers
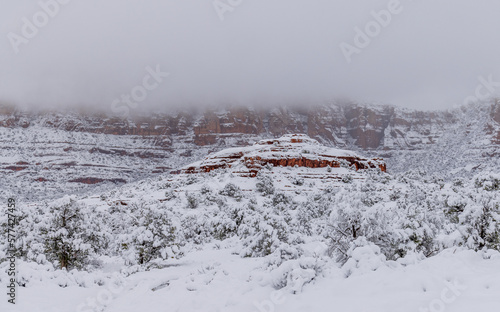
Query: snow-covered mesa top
{"type": "Point", "coordinates": [292, 150]}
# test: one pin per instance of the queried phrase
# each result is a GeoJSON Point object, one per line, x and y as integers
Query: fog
{"type": "Point", "coordinates": [428, 55]}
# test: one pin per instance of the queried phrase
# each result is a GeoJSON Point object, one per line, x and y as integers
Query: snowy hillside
{"type": "Point", "coordinates": [47, 155]}
{"type": "Point", "coordinates": [288, 238]}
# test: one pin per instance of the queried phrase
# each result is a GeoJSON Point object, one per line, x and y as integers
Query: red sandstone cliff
{"type": "Point", "coordinates": [296, 150]}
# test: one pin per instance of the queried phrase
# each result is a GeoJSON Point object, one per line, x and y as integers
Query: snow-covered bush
{"type": "Point", "coordinates": [488, 182]}
{"type": "Point", "coordinates": [69, 236]}
{"type": "Point", "coordinates": [169, 195]}
{"type": "Point", "coordinates": [281, 200]}
{"type": "Point", "coordinates": [363, 256]}
{"type": "Point", "coordinates": [347, 178]}
{"type": "Point", "coordinates": [312, 214]}
{"type": "Point", "coordinates": [232, 190]}
{"type": "Point", "coordinates": [298, 181]}
{"type": "Point", "coordinates": [197, 228]}
{"type": "Point", "coordinates": [149, 233]}
{"type": "Point", "coordinates": [265, 230]}
{"type": "Point", "coordinates": [345, 223]}
{"type": "Point", "coordinates": [296, 273]}
{"type": "Point", "coordinates": [225, 224]}
{"type": "Point", "coordinates": [265, 184]}
{"type": "Point", "coordinates": [191, 179]}
{"type": "Point", "coordinates": [205, 189]}
{"type": "Point", "coordinates": [192, 200]}
{"type": "Point", "coordinates": [475, 209]}
{"type": "Point", "coordinates": [397, 224]}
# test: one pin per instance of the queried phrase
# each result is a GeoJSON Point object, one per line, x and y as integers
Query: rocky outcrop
{"type": "Point", "coordinates": [16, 168]}
{"type": "Point", "coordinates": [495, 111]}
{"type": "Point", "coordinates": [296, 150]}
{"type": "Point", "coordinates": [91, 180]}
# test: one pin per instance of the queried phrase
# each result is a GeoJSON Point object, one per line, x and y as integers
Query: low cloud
{"type": "Point", "coordinates": [91, 52]}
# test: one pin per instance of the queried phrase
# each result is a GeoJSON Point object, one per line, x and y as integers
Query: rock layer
{"type": "Point", "coordinates": [295, 150]}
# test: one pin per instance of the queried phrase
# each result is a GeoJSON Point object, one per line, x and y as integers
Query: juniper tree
{"type": "Point", "coordinates": [69, 240]}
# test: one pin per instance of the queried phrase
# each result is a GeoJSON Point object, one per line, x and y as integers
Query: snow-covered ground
{"type": "Point", "coordinates": [214, 279]}
{"type": "Point", "coordinates": [289, 239]}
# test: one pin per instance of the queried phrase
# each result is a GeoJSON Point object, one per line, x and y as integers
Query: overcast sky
{"type": "Point", "coordinates": [429, 56]}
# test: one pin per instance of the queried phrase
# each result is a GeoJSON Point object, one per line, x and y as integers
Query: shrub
{"type": "Point", "coordinates": [150, 234]}
{"type": "Point", "coordinates": [232, 190]}
{"type": "Point", "coordinates": [68, 237]}
{"type": "Point", "coordinates": [475, 210]}
{"type": "Point", "coordinates": [265, 184]}
{"type": "Point", "coordinates": [267, 230]}
{"type": "Point", "coordinates": [192, 200]}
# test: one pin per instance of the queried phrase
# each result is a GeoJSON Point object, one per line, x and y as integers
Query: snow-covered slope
{"type": "Point", "coordinates": [224, 241]}
{"type": "Point", "coordinates": [46, 155]}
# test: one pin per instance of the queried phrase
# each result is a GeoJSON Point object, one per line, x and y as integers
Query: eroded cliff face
{"type": "Point", "coordinates": [495, 125]}
{"type": "Point", "coordinates": [366, 127]}
{"type": "Point", "coordinates": [495, 111]}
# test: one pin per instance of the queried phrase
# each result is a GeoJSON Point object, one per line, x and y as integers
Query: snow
{"type": "Point", "coordinates": [292, 239]}
{"type": "Point", "coordinates": [228, 275]}
{"type": "Point", "coordinates": [212, 280]}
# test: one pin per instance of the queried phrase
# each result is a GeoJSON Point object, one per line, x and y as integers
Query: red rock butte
{"type": "Point", "coordinates": [293, 150]}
